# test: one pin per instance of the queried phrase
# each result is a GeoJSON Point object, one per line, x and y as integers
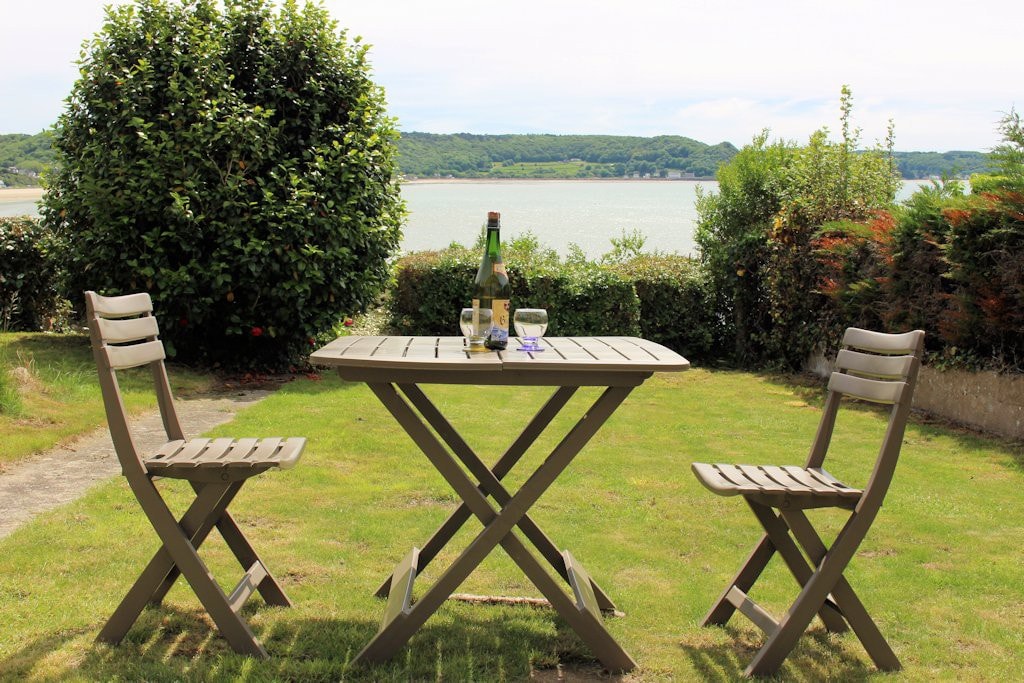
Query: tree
{"type": "Point", "coordinates": [1009, 155]}
{"type": "Point", "coordinates": [732, 233]}
{"type": "Point", "coordinates": [760, 235]}
{"type": "Point", "coordinates": [238, 164]}
{"type": "Point", "coordinates": [829, 185]}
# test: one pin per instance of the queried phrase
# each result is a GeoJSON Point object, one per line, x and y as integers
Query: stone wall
{"type": "Point", "coordinates": [983, 400]}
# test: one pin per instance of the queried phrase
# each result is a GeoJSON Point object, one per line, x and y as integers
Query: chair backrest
{"type": "Point", "coordinates": [124, 334]}
{"type": "Point", "coordinates": [881, 368]}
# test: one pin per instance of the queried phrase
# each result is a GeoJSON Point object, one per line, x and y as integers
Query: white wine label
{"type": "Point", "coordinates": [499, 319]}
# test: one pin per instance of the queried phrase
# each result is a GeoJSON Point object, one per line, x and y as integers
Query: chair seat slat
{"type": "Point", "coordinates": [709, 476]}
{"type": "Point", "coordinates": [169, 449]}
{"type": "Point", "coordinates": [187, 455]}
{"type": "Point", "coordinates": [289, 453]}
{"type": "Point", "coordinates": [815, 484]}
{"type": "Point", "coordinates": [758, 477]}
{"type": "Point", "coordinates": [787, 483]}
{"type": "Point", "coordinates": [829, 480]}
{"type": "Point", "coordinates": [737, 476]}
{"type": "Point", "coordinates": [235, 454]}
{"type": "Point", "coordinates": [266, 448]}
{"type": "Point", "coordinates": [216, 449]}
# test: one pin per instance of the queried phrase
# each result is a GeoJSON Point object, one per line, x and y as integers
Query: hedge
{"type": "Point", "coordinates": [28, 273]}
{"type": "Point", "coordinates": [663, 298]}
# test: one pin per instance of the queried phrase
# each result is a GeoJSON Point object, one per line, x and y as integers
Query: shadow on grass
{"type": "Point", "coordinates": [52, 347]}
{"type": "Point", "coordinates": [173, 644]}
{"type": "Point", "coordinates": [818, 656]}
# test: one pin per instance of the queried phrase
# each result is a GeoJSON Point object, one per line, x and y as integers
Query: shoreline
{"type": "Point", "coordinates": [9, 195]}
{"type": "Point", "coordinates": [458, 181]}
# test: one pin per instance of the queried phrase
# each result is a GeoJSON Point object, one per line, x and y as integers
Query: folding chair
{"type": "Point", "coordinates": [124, 333]}
{"type": "Point", "coordinates": [871, 366]}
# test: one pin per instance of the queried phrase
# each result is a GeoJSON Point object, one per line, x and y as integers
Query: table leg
{"type": "Point", "coordinates": [490, 482]}
{"type": "Point", "coordinates": [498, 526]}
{"type": "Point", "coordinates": [505, 463]}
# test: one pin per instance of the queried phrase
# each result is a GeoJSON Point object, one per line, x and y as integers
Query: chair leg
{"type": "Point", "coordinates": [722, 610]}
{"type": "Point", "coordinates": [177, 545]}
{"type": "Point", "coordinates": [246, 555]}
{"type": "Point", "coordinates": [778, 646]}
{"type": "Point", "coordinates": [159, 575]}
{"type": "Point", "coordinates": [778, 530]}
{"type": "Point", "coordinates": [197, 530]}
{"type": "Point", "coordinates": [865, 628]}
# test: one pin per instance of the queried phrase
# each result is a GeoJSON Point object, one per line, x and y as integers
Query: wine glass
{"type": "Point", "coordinates": [475, 324]}
{"type": "Point", "coordinates": [530, 324]}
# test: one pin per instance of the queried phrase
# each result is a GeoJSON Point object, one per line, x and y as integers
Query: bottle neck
{"type": "Point", "coordinates": [493, 246]}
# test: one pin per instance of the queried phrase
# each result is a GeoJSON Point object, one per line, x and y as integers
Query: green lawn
{"type": "Point", "coordinates": [942, 571]}
{"type": "Point", "coordinates": [49, 391]}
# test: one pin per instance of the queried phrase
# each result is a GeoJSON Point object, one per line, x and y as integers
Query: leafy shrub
{"type": "Point", "coordinates": [431, 287]}
{"type": "Point", "coordinates": [758, 235]}
{"type": "Point", "coordinates": [429, 291]}
{"type": "Point", "coordinates": [582, 300]}
{"type": "Point", "coordinates": [919, 290]}
{"type": "Point", "coordinates": [28, 271]}
{"type": "Point", "coordinates": [733, 225]}
{"type": "Point", "coordinates": [238, 165]}
{"type": "Point", "coordinates": [985, 254]}
{"type": "Point", "coordinates": [676, 304]}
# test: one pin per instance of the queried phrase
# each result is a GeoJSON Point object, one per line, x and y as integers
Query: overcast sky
{"type": "Point", "coordinates": [713, 70]}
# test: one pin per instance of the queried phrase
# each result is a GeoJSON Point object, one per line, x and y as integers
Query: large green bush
{"type": "Point", "coordinates": [28, 271]}
{"type": "Point", "coordinates": [665, 298]}
{"type": "Point", "coordinates": [919, 289]}
{"type": "Point", "coordinates": [237, 164]}
{"type": "Point", "coordinates": [582, 299]}
{"type": "Point", "coordinates": [676, 304]}
{"type": "Point", "coordinates": [759, 234]}
{"type": "Point", "coordinates": [733, 226]}
{"type": "Point", "coordinates": [947, 262]}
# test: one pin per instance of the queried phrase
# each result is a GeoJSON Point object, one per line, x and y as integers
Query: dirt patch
{"type": "Point", "coordinates": [62, 475]}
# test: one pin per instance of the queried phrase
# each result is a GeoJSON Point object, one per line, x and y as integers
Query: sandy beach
{"type": "Point", "coordinates": [20, 194]}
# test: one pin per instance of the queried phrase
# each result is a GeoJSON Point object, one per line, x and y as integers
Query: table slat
{"type": "Point", "coordinates": [449, 354]}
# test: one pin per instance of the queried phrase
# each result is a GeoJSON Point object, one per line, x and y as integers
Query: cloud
{"type": "Point", "coordinates": [709, 69]}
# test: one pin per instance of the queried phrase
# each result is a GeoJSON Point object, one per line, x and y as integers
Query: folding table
{"type": "Point", "coordinates": [395, 367]}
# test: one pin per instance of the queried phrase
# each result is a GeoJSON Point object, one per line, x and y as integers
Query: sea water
{"type": "Point", "coordinates": [560, 213]}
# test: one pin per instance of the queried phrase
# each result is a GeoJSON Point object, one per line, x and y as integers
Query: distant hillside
{"type": "Point", "coordinates": [532, 156]}
{"type": "Point", "coordinates": [935, 164]}
{"type": "Point", "coordinates": [558, 156]}
{"type": "Point", "coordinates": [23, 158]}
{"type": "Point", "coordinates": [609, 156]}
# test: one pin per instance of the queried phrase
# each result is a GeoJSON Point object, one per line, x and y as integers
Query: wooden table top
{"type": "Point", "coordinates": [451, 355]}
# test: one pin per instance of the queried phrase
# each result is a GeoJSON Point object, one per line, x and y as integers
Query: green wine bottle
{"type": "Point", "coordinates": [491, 288]}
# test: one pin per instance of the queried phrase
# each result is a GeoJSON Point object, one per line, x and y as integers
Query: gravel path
{"type": "Point", "coordinates": [54, 478]}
